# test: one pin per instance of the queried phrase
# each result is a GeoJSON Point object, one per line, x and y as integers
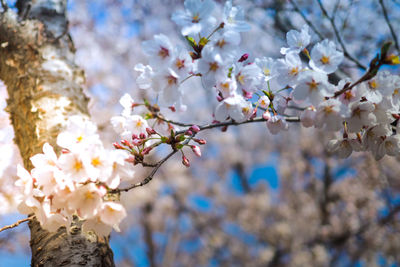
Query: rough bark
{"type": "Point", "coordinates": [45, 88]}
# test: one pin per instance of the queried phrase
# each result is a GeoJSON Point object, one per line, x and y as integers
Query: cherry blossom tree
{"type": "Point", "coordinates": [313, 66]}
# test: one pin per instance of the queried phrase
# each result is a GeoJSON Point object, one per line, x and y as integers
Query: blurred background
{"type": "Point", "coordinates": [252, 199]}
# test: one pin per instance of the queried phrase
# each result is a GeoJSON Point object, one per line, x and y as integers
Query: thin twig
{"type": "Point", "coordinates": [345, 52]}
{"type": "Point", "coordinates": [309, 23]}
{"type": "Point", "coordinates": [148, 178]}
{"type": "Point", "coordinates": [16, 223]}
{"type": "Point", "coordinates": [173, 122]}
{"type": "Point", "coordinates": [235, 123]}
{"type": "Point", "coordinates": [385, 14]}
{"type": "Point", "coordinates": [157, 165]}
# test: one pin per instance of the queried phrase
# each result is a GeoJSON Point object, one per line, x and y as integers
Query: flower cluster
{"type": "Point", "coordinates": [366, 111]}
{"type": "Point", "coordinates": [138, 138]}
{"type": "Point", "coordinates": [75, 183]}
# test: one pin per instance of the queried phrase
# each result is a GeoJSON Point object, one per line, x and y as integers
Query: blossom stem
{"type": "Point", "coordinates": [220, 26]}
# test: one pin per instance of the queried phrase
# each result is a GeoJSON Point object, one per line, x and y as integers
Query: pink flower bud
{"type": "Point", "coordinates": [196, 150]}
{"type": "Point", "coordinates": [137, 142]}
{"type": "Point", "coordinates": [266, 115]}
{"type": "Point", "coordinates": [188, 132]}
{"type": "Point", "coordinates": [244, 57]}
{"type": "Point", "coordinates": [146, 150]}
{"type": "Point", "coordinates": [134, 136]}
{"type": "Point", "coordinates": [185, 161]}
{"type": "Point", "coordinates": [130, 159]}
{"type": "Point", "coordinates": [219, 98]}
{"type": "Point", "coordinates": [200, 141]}
{"type": "Point", "coordinates": [172, 108]}
{"type": "Point", "coordinates": [194, 128]}
{"type": "Point", "coordinates": [253, 114]}
{"type": "Point", "coordinates": [150, 131]}
{"type": "Point", "coordinates": [116, 145]}
{"type": "Point", "coordinates": [126, 143]}
{"type": "Point", "coordinates": [247, 94]}
{"type": "Point", "coordinates": [142, 136]}
{"type": "Point", "coordinates": [224, 129]}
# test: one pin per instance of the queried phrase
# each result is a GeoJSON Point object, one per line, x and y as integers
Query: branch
{"type": "Point", "coordinates": [345, 52]}
{"type": "Point", "coordinates": [385, 14]}
{"type": "Point", "coordinates": [157, 165]}
{"type": "Point", "coordinates": [309, 23]}
{"type": "Point", "coordinates": [158, 116]}
{"type": "Point", "coordinates": [16, 223]}
{"type": "Point", "coordinates": [148, 178]}
{"type": "Point", "coordinates": [235, 123]}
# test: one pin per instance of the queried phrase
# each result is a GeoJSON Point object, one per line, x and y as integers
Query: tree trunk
{"type": "Point", "coordinates": [45, 88]}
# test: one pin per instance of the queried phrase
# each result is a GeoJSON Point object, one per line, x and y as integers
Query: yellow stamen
{"type": "Point", "coordinates": [96, 161]}
{"type": "Point", "coordinates": [196, 19]}
{"type": "Point", "coordinates": [89, 195]}
{"type": "Point", "coordinates": [214, 66]}
{"type": "Point", "coordinates": [325, 60]}
{"type": "Point", "coordinates": [373, 84]}
{"type": "Point", "coordinates": [221, 43]}
{"type": "Point", "coordinates": [328, 109]}
{"type": "Point", "coordinates": [180, 63]}
{"type": "Point", "coordinates": [171, 80]}
{"type": "Point", "coordinates": [241, 79]}
{"type": "Point", "coordinates": [313, 85]}
{"type": "Point", "coordinates": [78, 165]}
{"type": "Point", "coordinates": [348, 95]}
{"type": "Point", "coordinates": [294, 71]}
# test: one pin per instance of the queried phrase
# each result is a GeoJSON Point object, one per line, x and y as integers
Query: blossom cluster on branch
{"type": "Point", "coordinates": [84, 180]}
{"type": "Point", "coordinates": [366, 111]}
{"type": "Point", "coordinates": [75, 183]}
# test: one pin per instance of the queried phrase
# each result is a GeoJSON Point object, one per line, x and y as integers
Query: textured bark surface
{"type": "Point", "coordinates": [45, 88]}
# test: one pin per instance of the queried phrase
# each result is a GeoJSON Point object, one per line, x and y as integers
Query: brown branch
{"type": "Point", "coordinates": [16, 223]}
{"type": "Point", "coordinates": [157, 165]}
{"type": "Point", "coordinates": [235, 123]}
{"type": "Point", "coordinates": [385, 14]}
{"type": "Point", "coordinates": [158, 116]}
{"type": "Point", "coordinates": [309, 23]}
{"type": "Point", "coordinates": [148, 178]}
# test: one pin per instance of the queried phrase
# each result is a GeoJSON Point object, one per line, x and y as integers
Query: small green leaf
{"type": "Point", "coordinates": [203, 41]}
{"type": "Point", "coordinates": [191, 41]}
{"type": "Point", "coordinates": [148, 116]}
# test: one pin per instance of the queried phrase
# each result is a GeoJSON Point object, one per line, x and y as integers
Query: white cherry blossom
{"type": "Point", "coordinates": [330, 115]}
{"type": "Point", "coordinates": [289, 69]}
{"type": "Point", "coordinates": [277, 124]}
{"type": "Point", "coordinates": [313, 86]}
{"type": "Point", "coordinates": [234, 18]}
{"type": "Point", "coordinates": [235, 107]}
{"type": "Point", "coordinates": [325, 58]}
{"type": "Point", "coordinates": [159, 50]}
{"type": "Point", "coordinates": [196, 16]}
{"type": "Point", "coordinates": [297, 40]}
